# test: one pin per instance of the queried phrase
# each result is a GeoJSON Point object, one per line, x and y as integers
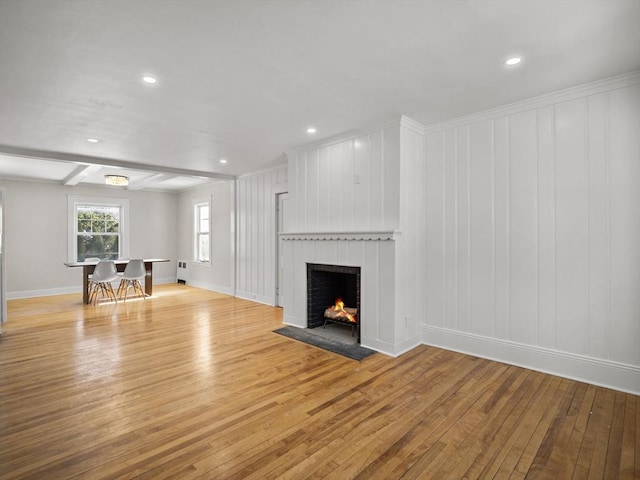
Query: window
{"type": "Point", "coordinates": [97, 228]}
{"type": "Point", "coordinates": [202, 224]}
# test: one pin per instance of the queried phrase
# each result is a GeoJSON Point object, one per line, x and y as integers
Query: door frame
{"type": "Point", "coordinates": [279, 197]}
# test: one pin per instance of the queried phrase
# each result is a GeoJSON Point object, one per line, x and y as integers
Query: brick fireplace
{"type": "Point", "coordinates": [326, 284]}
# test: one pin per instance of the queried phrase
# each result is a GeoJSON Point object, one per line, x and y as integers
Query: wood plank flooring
{"type": "Point", "coordinates": [192, 384]}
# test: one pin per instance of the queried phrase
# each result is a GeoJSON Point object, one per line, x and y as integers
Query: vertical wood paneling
{"type": "Point", "coordinates": [324, 179]}
{"type": "Point", "coordinates": [301, 180]}
{"type": "Point", "coordinates": [387, 292]}
{"type": "Point", "coordinates": [462, 229]}
{"type": "Point", "coordinates": [313, 190]}
{"type": "Point", "coordinates": [376, 193]}
{"type": "Point", "coordinates": [501, 216]}
{"type": "Point", "coordinates": [451, 231]}
{"type": "Point", "coordinates": [624, 213]}
{"type": "Point", "coordinates": [362, 188]}
{"type": "Point", "coordinates": [370, 301]}
{"type": "Point", "coordinates": [546, 229]}
{"type": "Point", "coordinates": [597, 221]}
{"type": "Point", "coordinates": [435, 229]}
{"type": "Point", "coordinates": [391, 179]}
{"type": "Point", "coordinates": [348, 207]}
{"type": "Point", "coordinates": [333, 189]}
{"type": "Point", "coordinates": [552, 201]}
{"type": "Point", "coordinates": [571, 227]}
{"type": "Point", "coordinates": [523, 228]}
{"type": "Point", "coordinates": [256, 233]}
{"type": "Point", "coordinates": [410, 258]}
{"type": "Point", "coordinates": [482, 291]}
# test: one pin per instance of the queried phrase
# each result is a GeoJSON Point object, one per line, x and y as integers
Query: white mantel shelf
{"type": "Point", "coordinates": [371, 235]}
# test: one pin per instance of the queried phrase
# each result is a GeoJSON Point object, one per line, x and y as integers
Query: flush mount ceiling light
{"type": "Point", "coordinates": [149, 80]}
{"type": "Point", "coordinates": [512, 61]}
{"type": "Point", "coordinates": [311, 130]}
{"type": "Point", "coordinates": [116, 180]}
{"type": "Point", "coordinates": [92, 140]}
{"type": "Point", "coordinates": [223, 161]}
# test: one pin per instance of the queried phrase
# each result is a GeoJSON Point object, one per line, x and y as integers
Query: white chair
{"type": "Point", "coordinates": [134, 273]}
{"type": "Point", "coordinates": [90, 276]}
{"type": "Point", "coordinates": [104, 273]}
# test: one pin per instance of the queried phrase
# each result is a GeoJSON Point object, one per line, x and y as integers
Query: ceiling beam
{"type": "Point", "coordinates": [108, 162]}
{"type": "Point", "coordinates": [147, 181]}
{"type": "Point", "coordinates": [80, 173]}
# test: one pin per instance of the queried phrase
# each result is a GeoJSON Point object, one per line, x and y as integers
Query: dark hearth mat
{"type": "Point", "coordinates": [355, 352]}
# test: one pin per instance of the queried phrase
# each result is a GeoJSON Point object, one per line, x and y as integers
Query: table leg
{"type": "Point", "coordinates": [86, 271]}
{"type": "Point", "coordinates": [148, 279]}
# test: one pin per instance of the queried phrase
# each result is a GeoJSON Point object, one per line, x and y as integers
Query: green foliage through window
{"type": "Point", "coordinates": [98, 232]}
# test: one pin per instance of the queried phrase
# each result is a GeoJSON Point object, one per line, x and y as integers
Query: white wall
{"type": "Point", "coordinates": [348, 183]}
{"type": "Point", "coordinates": [256, 234]}
{"type": "Point", "coordinates": [219, 274]}
{"type": "Point", "coordinates": [411, 245]}
{"type": "Point", "coordinates": [36, 235]}
{"type": "Point", "coordinates": [533, 218]}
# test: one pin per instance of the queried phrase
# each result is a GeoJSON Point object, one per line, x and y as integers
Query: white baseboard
{"type": "Point", "coordinates": [48, 292]}
{"type": "Point", "coordinates": [294, 321]}
{"type": "Point", "coordinates": [255, 298]}
{"type": "Point", "coordinates": [605, 373]}
{"type": "Point", "coordinates": [43, 293]}
{"type": "Point", "coordinates": [212, 288]}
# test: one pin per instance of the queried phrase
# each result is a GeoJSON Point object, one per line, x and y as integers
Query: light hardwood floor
{"type": "Point", "coordinates": [192, 384]}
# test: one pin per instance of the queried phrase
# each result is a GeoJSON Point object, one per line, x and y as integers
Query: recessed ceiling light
{"type": "Point", "coordinates": [223, 161]}
{"type": "Point", "coordinates": [148, 79]}
{"type": "Point", "coordinates": [92, 140]}
{"type": "Point", "coordinates": [512, 61]}
{"type": "Point", "coordinates": [311, 130]}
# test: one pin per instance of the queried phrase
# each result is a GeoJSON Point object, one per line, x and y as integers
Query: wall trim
{"type": "Point", "coordinates": [211, 287]}
{"type": "Point", "coordinates": [43, 293]}
{"type": "Point", "coordinates": [255, 298]}
{"type": "Point", "coordinates": [572, 93]}
{"type": "Point", "coordinates": [49, 292]}
{"type": "Point", "coordinates": [373, 235]}
{"type": "Point", "coordinates": [604, 373]}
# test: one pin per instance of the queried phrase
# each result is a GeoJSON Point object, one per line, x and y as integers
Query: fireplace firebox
{"type": "Point", "coordinates": [327, 284]}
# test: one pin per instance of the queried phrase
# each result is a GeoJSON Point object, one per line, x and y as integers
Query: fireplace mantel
{"type": "Point", "coordinates": [350, 236]}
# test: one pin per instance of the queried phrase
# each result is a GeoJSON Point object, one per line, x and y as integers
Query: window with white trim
{"type": "Point", "coordinates": [97, 228]}
{"type": "Point", "coordinates": [202, 232]}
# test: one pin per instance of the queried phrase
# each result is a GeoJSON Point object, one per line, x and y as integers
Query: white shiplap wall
{"type": "Point", "coordinates": [410, 265]}
{"type": "Point", "coordinates": [348, 183]}
{"type": "Point", "coordinates": [534, 230]}
{"type": "Point", "coordinates": [256, 234]}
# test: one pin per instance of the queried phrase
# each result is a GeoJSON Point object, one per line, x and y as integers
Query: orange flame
{"type": "Point", "coordinates": [341, 312]}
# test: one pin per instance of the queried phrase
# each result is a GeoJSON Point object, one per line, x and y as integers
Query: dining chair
{"type": "Point", "coordinates": [90, 276]}
{"type": "Point", "coordinates": [104, 273]}
{"type": "Point", "coordinates": [133, 274]}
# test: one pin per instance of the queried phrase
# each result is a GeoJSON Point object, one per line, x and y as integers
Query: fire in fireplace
{"type": "Point", "coordinates": [333, 296]}
{"type": "Point", "coordinates": [338, 313]}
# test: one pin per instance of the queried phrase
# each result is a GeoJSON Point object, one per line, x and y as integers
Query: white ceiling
{"type": "Point", "coordinates": [242, 80]}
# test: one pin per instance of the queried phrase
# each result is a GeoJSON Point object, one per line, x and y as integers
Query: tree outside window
{"type": "Point", "coordinates": [98, 232]}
